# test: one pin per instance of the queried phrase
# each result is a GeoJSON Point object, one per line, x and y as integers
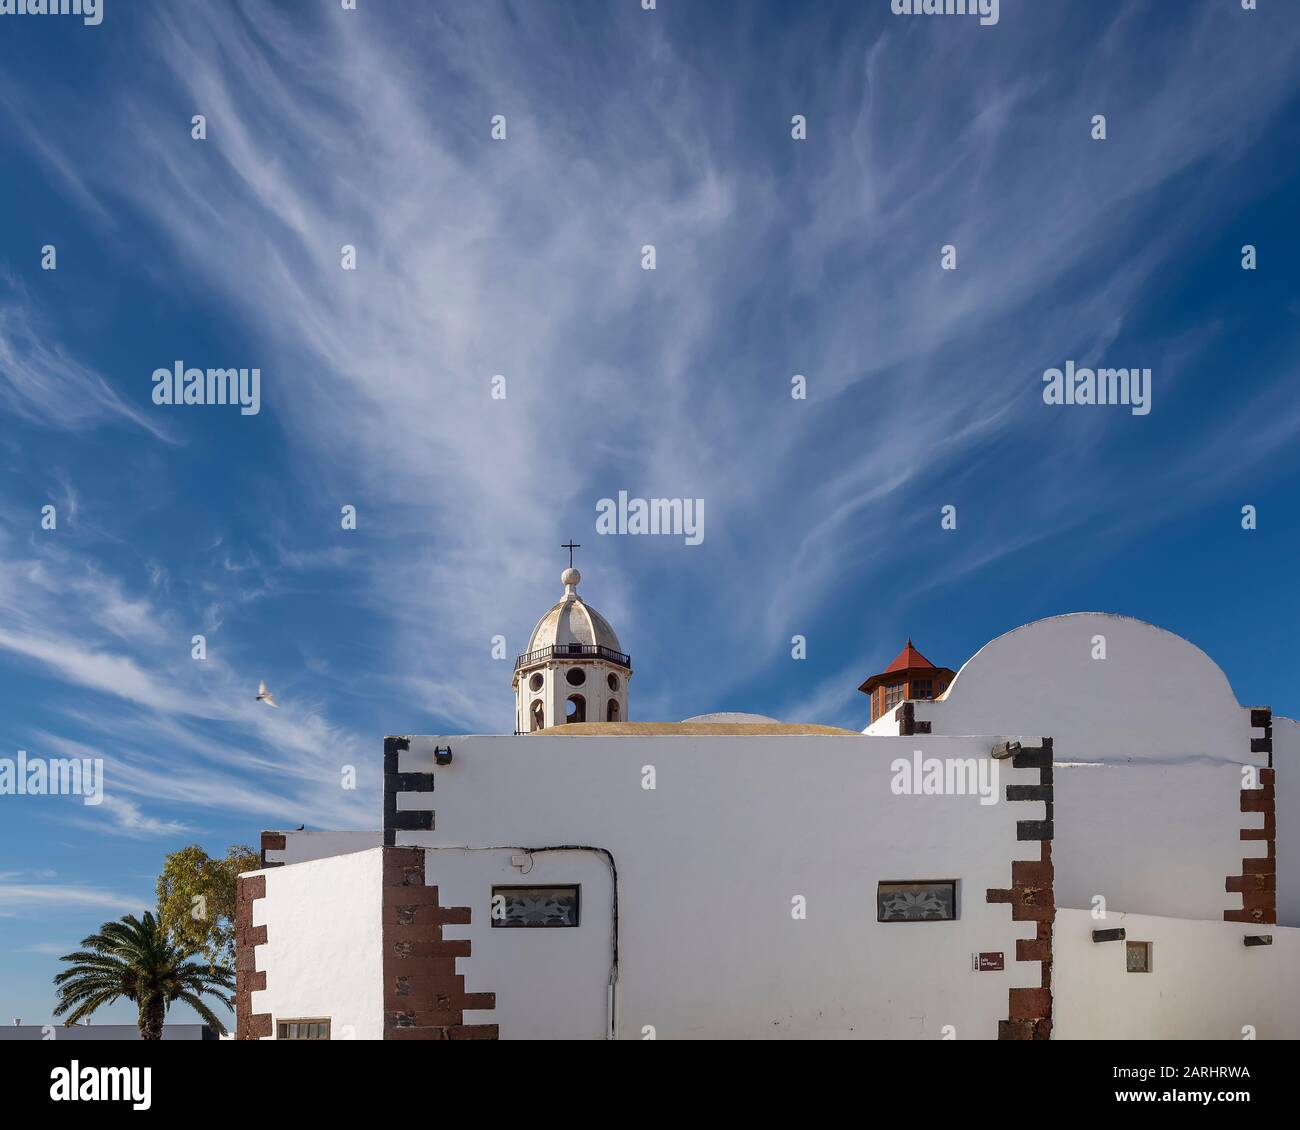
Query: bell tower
{"type": "Point", "coordinates": [574, 669]}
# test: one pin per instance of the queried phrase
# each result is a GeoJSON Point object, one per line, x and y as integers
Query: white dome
{"type": "Point", "coordinates": [572, 621]}
{"type": "Point", "coordinates": [574, 669]}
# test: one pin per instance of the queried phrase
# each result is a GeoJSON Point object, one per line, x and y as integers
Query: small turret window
{"type": "Point", "coordinates": [576, 676]}
{"type": "Point", "coordinates": [611, 712]}
{"type": "Point", "coordinates": [535, 682]}
{"type": "Point", "coordinates": [612, 680]}
{"type": "Point", "coordinates": [576, 708]}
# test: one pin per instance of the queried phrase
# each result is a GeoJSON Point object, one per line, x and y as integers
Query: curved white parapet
{"type": "Point", "coordinates": [1154, 695]}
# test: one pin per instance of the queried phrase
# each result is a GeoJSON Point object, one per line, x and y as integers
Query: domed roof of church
{"type": "Point", "coordinates": [572, 621]}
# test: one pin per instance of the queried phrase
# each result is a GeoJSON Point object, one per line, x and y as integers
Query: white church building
{"type": "Point", "coordinates": [1079, 834]}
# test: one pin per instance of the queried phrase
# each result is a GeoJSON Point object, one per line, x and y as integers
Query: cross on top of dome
{"type": "Point", "coordinates": [570, 577]}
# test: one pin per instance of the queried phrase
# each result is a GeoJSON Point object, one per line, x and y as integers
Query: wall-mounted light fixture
{"type": "Point", "coordinates": [442, 755]}
{"type": "Point", "coordinates": [1006, 749]}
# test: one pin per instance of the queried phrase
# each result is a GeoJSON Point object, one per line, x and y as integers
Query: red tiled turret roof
{"type": "Point", "coordinates": [908, 658]}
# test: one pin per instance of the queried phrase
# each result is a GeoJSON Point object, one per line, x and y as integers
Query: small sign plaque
{"type": "Point", "coordinates": [989, 962]}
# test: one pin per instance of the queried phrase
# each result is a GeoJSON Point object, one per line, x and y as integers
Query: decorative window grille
{"type": "Point", "coordinates": [534, 906]}
{"type": "Point", "coordinates": [1138, 955]}
{"type": "Point", "coordinates": [304, 1029]}
{"type": "Point", "coordinates": [930, 901]}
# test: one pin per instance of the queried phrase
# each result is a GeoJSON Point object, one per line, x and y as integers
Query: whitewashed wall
{"type": "Point", "coordinates": [1149, 743]}
{"type": "Point", "coordinates": [1150, 837]}
{"type": "Point", "coordinates": [1205, 983]}
{"type": "Point", "coordinates": [323, 951]}
{"type": "Point", "coordinates": [1286, 760]}
{"type": "Point", "coordinates": [561, 974]}
{"type": "Point", "coordinates": [302, 846]}
{"type": "Point", "coordinates": [708, 864]}
{"type": "Point", "coordinates": [1154, 696]}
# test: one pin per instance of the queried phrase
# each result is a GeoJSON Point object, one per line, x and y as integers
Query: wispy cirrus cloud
{"type": "Point", "coordinates": [42, 383]}
{"type": "Point", "coordinates": [43, 898]}
{"type": "Point", "coordinates": [461, 241]}
{"type": "Point", "coordinates": [50, 949]}
{"type": "Point", "coordinates": [177, 734]}
{"type": "Point", "coordinates": [523, 258]}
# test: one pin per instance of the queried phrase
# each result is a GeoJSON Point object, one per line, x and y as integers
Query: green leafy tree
{"type": "Point", "coordinates": [134, 958]}
{"type": "Point", "coordinates": [196, 899]}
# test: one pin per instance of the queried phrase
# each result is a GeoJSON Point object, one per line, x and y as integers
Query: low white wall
{"type": "Point", "coordinates": [324, 947]}
{"type": "Point", "coordinates": [1205, 983]}
{"type": "Point", "coordinates": [56, 1030]}
{"type": "Point", "coordinates": [708, 865]}
{"type": "Point", "coordinates": [299, 847]}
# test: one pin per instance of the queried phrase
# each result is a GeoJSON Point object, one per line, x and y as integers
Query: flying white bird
{"type": "Point", "coordinates": [263, 695]}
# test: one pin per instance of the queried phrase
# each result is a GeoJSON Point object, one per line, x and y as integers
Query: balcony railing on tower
{"type": "Point", "coordinates": [574, 651]}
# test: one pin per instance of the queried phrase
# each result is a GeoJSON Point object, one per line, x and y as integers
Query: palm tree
{"type": "Point", "coordinates": [134, 958]}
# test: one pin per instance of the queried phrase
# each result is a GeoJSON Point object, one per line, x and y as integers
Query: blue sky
{"type": "Point", "coordinates": [523, 258]}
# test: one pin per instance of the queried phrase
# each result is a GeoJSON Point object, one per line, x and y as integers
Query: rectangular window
{"type": "Point", "coordinates": [318, 1029]}
{"type": "Point", "coordinates": [534, 906]}
{"type": "Point", "coordinates": [923, 688]}
{"type": "Point", "coordinates": [893, 696]}
{"type": "Point", "coordinates": [930, 901]}
{"type": "Point", "coordinates": [1139, 957]}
